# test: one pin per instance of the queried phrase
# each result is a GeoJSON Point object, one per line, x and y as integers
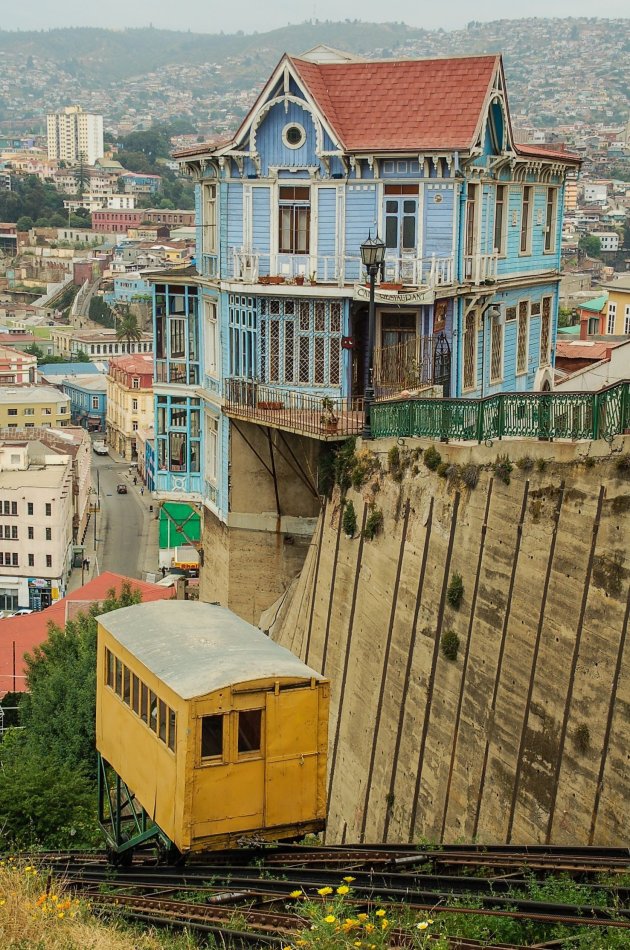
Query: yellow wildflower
{"type": "Point", "coordinates": [295, 894]}
{"type": "Point", "coordinates": [60, 915]}
{"type": "Point", "coordinates": [422, 925]}
{"type": "Point", "coordinates": [330, 919]}
{"type": "Point", "coordinates": [380, 912]}
{"type": "Point", "coordinates": [343, 889]}
{"type": "Point", "coordinates": [348, 879]}
{"type": "Point", "coordinates": [362, 917]}
{"type": "Point", "coordinates": [323, 891]}
{"type": "Point", "coordinates": [369, 928]}
{"type": "Point", "coordinates": [384, 923]}
{"type": "Point", "coordinates": [429, 921]}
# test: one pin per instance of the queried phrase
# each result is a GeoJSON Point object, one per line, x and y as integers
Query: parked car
{"type": "Point", "coordinates": [121, 489]}
{"type": "Point", "coordinates": [22, 610]}
{"type": "Point", "coordinates": [100, 448]}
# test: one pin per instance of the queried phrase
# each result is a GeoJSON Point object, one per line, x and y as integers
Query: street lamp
{"type": "Point", "coordinates": [372, 257]}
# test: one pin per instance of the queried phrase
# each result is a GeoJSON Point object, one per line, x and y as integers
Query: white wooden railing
{"type": "Point", "coordinates": [251, 266]}
{"type": "Point", "coordinates": [479, 268]}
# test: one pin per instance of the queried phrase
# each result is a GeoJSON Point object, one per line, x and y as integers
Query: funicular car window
{"type": "Point", "coordinates": [153, 711]}
{"type": "Point", "coordinates": [249, 722]}
{"type": "Point", "coordinates": [144, 702]}
{"type": "Point", "coordinates": [162, 713]}
{"type": "Point", "coordinates": [211, 737]}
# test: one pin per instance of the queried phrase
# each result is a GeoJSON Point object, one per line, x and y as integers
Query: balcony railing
{"type": "Point", "coordinates": [250, 266]}
{"type": "Point", "coordinates": [554, 415]}
{"type": "Point", "coordinates": [481, 268]}
{"type": "Point", "coordinates": [304, 413]}
{"type": "Point", "coordinates": [413, 364]}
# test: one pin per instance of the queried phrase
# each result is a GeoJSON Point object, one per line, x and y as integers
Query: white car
{"type": "Point", "coordinates": [21, 611]}
{"type": "Point", "coordinates": [100, 448]}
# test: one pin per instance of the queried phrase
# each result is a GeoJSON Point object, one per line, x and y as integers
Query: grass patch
{"type": "Point", "coordinates": [449, 644]}
{"type": "Point", "coordinates": [432, 458]}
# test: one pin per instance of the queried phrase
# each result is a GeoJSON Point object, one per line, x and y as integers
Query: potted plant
{"type": "Point", "coordinates": [328, 419]}
{"type": "Point", "coordinates": [299, 279]}
{"type": "Point", "coordinates": [312, 278]}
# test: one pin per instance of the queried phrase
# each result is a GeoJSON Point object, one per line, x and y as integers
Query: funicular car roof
{"type": "Point", "coordinates": [196, 648]}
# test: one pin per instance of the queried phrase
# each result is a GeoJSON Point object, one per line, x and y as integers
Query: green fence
{"type": "Point", "coordinates": [573, 416]}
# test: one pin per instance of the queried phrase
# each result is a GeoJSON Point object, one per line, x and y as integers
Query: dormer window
{"type": "Point", "coordinates": [293, 135]}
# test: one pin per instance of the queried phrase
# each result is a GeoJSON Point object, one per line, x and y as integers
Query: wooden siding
{"type": "Point", "coordinates": [437, 225]}
{"type": "Point", "coordinates": [326, 222]}
{"type": "Point", "coordinates": [269, 141]}
{"type": "Point", "coordinates": [361, 216]}
{"type": "Point", "coordinates": [261, 233]}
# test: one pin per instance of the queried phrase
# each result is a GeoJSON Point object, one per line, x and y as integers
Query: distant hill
{"type": "Point", "coordinates": [96, 55]}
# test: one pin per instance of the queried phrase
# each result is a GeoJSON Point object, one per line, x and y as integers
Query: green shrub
{"type": "Point", "coordinates": [541, 464]}
{"type": "Point", "coordinates": [349, 520]}
{"type": "Point", "coordinates": [589, 461]}
{"type": "Point", "coordinates": [582, 738]}
{"type": "Point", "coordinates": [396, 468]}
{"type": "Point", "coordinates": [470, 475]}
{"type": "Point", "coordinates": [432, 458]}
{"type": "Point", "coordinates": [344, 463]}
{"type": "Point", "coordinates": [449, 645]}
{"type": "Point", "coordinates": [455, 591]}
{"type": "Point", "coordinates": [373, 524]}
{"type": "Point", "coordinates": [503, 468]}
{"type": "Point", "coordinates": [442, 469]}
{"type": "Point", "coordinates": [525, 463]}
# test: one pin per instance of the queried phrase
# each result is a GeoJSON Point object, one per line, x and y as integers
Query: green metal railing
{"type": "Point", "coordinates": [555, 415]}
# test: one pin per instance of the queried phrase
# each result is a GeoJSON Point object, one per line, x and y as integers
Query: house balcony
{"type": "Point", "coordinates": [249, 266]}
{"type": "Point", "coordinates": [481, 268]}
{"type": "Point", "coordinates": [321, 417]}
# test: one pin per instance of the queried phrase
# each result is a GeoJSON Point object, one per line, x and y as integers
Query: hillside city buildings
{"type": "Point", "coordinates": [73, 135]}
{"type": "Point", "coordinates": [129, 402]}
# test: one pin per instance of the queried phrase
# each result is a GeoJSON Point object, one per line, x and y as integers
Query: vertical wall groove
{"type": "Point", "coordinates": [436, 650]}
{"type": "Point", "coordinates": [499, 670]}
{"type": "Point", "coordinates": [609, 721]}
{"type": "Point", "coordinates": [462, 687]}
{"type": "Point", "coordinates": [331, 595]}
{"type": "Point", "coordinates": [388, 645]}
{"type": "Point", "coordinates": [346, 661]}
{"type": "Point", "coordinates": [574, 659]}
{"type": "Point", "coordinates": [410, 655]}
{"type": "Point", "coordinates": [534, 662]}
{"type": "Point", "coordinates": [315, 581]}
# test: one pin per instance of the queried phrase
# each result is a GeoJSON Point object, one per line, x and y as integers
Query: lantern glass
{"type": "Point", "coordinates": [372, 252]}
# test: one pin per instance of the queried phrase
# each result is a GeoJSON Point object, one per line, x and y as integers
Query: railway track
{"type": "Point", "coordinates": [245, 894]}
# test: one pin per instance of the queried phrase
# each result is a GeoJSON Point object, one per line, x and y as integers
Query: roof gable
{"type": "Point", "coordinates": [413, 104]}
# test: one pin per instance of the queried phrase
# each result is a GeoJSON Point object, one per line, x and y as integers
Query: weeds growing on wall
{"type": "Point", "coordinates": [525, 463]}
{"type": "Point", "coordinates": [582, 738]}
{"type": "Point", "coordinates": [432, 458]}
{"type": "Point", "coordinates": [373, 524]}
{"type": "Point", "coordinates": [455, 591]}
{"type": "Point", "coordinates": [449, 644]}
{"type": "Point", "coordinates": [503, 468]}
{"type": "Point", "coordinates": [470, 475]}
{"type": "Point", "coordinates": [622, 466]}
{"type": "Point", "coordinates": [349, 520]}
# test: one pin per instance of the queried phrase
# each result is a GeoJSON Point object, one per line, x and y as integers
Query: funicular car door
{"type": "Point", "coordinates": [291, 786]}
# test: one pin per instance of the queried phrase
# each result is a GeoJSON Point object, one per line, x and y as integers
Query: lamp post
{"type": "Point", "coordinates": [372, 257]}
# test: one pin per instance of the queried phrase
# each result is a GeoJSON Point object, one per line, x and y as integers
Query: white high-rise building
{"type": "Point", "coordinates": [73, 133]}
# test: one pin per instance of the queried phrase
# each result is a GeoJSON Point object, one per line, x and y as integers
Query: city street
{"type": "Point", "coordinates": [124, 523]}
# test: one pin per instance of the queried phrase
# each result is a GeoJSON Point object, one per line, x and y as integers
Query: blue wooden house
{"type": "Point", "coordinates": [260, 352]}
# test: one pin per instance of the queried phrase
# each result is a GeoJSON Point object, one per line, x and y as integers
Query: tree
{"type": "Point", "coordinates": [47, 779]}
{"type": "Point", "coordinates": [35, 350]}
{"type": "Point", "coordinates": [590, 245]}
{"type": "Point", "coordinates": [24, 223]}
{"type": "Point", "coordinates": [127, 326]}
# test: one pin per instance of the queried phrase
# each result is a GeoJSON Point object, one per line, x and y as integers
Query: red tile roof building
{"type": "Point", "coordinates": [20, 635]}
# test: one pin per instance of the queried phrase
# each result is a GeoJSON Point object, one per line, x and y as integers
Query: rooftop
{"type": "Point", "coordinates": [134, 363]}
{"type": "Point", "coordinates": [596, 305]}
{"type": "Point", "coordinates": [31, 630]}
{"type": "Point", "coordinates": [195, 648]}
{"type": "Point", "coordinates": [67, 369]}
{"type": "Point", "coordinates": [9, 395]}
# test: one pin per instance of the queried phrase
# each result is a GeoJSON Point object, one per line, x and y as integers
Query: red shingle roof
{"type": "Point", "coordinates": [387, 105]}
{"type": "Point", "coordinates": [30, 630]}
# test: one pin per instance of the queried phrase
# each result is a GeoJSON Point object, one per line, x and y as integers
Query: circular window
{"type": "Point", "coordinates": [294, 135]}
{"type": "Point", "coordinates": [438, 198]}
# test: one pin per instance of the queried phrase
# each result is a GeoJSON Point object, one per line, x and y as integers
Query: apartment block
{"type": "Point", "coordinates": [74, 135]}
{"type": "Point", "coordinates": [29, 406]}
{"type": "Point", "coordinates": [129, 402]}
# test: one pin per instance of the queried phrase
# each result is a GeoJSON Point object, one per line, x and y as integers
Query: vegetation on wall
{"type": "Point", "coordinates": [101, 313]}
{"type": "Point", "coordinates": [349, 520]}
{"type": "Point", "coordinates": [373, 524]}
{"type": "Point", "coordinates": [455, 591]}
{"type": "Point", "coordinates": [432, 458]}
{"type": "Point", "coordinates": [449, 644]}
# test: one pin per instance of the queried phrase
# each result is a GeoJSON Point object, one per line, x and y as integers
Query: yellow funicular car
{"type": "Point", "coordinates": [207, 731]}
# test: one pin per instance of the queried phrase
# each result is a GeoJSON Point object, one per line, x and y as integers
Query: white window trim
{"type": "Point", "coordinates": [212, 348]}
{"type": "Point", "coordinates": [611, 316]}
{"type": "Point", "coordinates": [293, 125]}
{"type": "Point", "coordinates": [626, 320]}
{"type": "Point", "coordinates": [494, 380]}
{"type": "Point", "coordinates": [523, 372]}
